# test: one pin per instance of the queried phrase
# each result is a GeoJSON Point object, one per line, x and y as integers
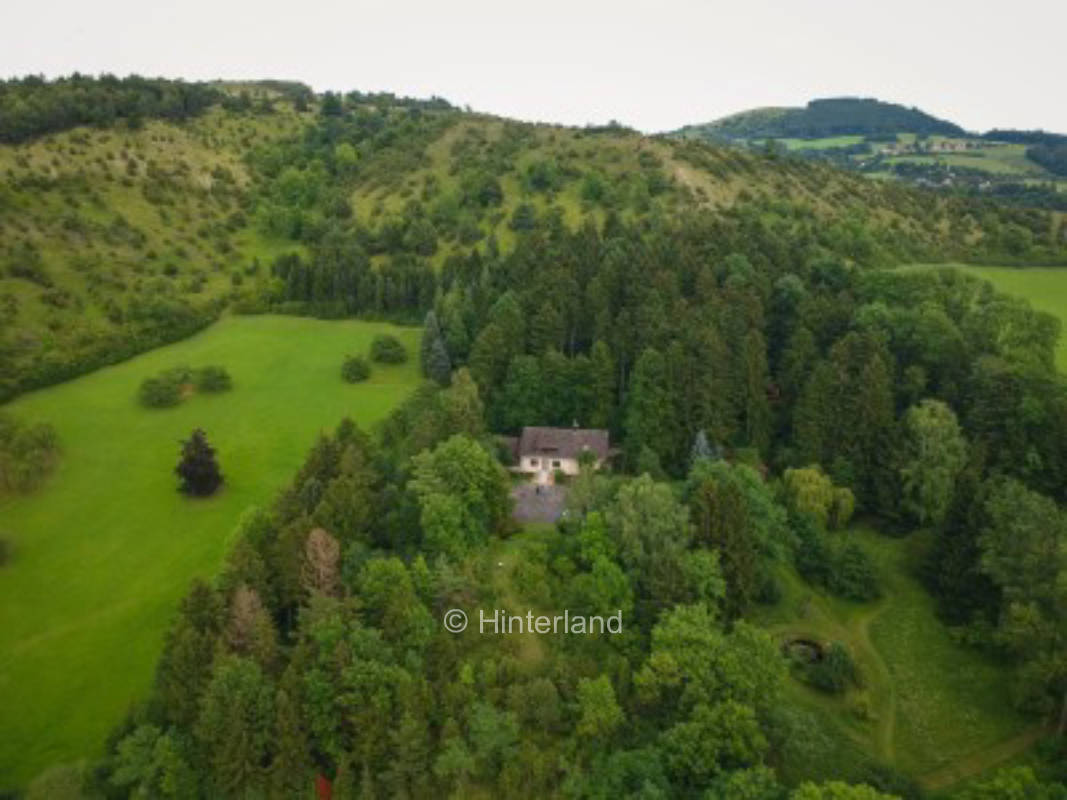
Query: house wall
{"type": "Point", "coordinates": [569, 466]}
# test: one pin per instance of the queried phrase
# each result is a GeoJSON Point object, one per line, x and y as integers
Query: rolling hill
{"type": "Point", "coordinates": [884, 140]}
{"type": "Point", "coordinates": [833, 116]}
{"type": "Point", "coordinates": [119, 237]}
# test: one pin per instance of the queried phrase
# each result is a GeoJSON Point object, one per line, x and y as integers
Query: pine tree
{"type": "Point", "coordinates": [520, 402]}
{"type": "Point", "coordinates": [649, 412]}
{"type": "Point", "coordinates": [234, 728]}
{"type": "Point", "coordinates": [757, 410]}
{"type": "Point", "coordinates": [603, 386]}
{"type": "Point", "coordinates": [198, 469]}
{"type": "Point", "coordinates": [433, 355]}
{"type": "Point", "coordinates": [439, 365]}
{"type": "Point", "coordinates": [291, 769]}
{"type": "Point", "coordinates": [701, 448]}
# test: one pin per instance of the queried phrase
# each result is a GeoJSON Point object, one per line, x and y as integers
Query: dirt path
{"type": "Point", "coordinates": [887, 721]}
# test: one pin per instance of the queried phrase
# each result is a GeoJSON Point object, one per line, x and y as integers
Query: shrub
{"type": "Point", "coordinates": [160, 392]}
{"type": "Point", "coordinates": [853, 574]}
{"type": "Point", "coordinates": [27, 454]}
{"type": "Point", "coordinates": [387, 349]}
{"type": "Point", "coordinates": [842, 568]}
{"type": "Point", "coordinates": [834, 672]}
{"type": "Point", "coordinates": [213, 379]}
{"type": "Point", "coordinates": [355, 369]}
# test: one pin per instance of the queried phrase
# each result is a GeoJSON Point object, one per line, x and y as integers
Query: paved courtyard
{"type": "Point", "coordinates": [538, 503]}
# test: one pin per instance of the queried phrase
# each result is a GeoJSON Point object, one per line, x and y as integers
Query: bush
{"type": "Point", "coordinates": [355, 369]}
{"type": "Point", "coordinates": [834, 672]}
{"type": "Point", "coordinates": [213, 379]}
{"type": "Point", "coordinates": [853, 574]}
{"type": "Point", "coordinates": [842, 568]}
{"type": "Point", "coordinates": [162, 391]}
{"type": "Point", "coordinates": [387, 349]}
{"type": "Point", "coordinates": [27, 454]}
{"type": "Point", "coordinates": [5, 552]}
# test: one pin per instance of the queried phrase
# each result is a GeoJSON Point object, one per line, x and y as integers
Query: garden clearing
{"type": "Point", "coordinates": [933, 708]}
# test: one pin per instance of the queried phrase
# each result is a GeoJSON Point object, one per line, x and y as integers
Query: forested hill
{"type": "Point", "coordinates": [835, 116]}
{"type": "Point", "coordinates": [124, 229]}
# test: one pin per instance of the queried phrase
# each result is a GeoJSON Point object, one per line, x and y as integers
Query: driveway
{"type": "Point", "coordinates": [538, 503]}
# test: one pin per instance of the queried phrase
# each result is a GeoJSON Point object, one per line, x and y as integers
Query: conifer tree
{"type": "Point", "coordinates": [433, 355]}
{"type": "Point", "coordinates": [603, 386]}
{"type": "Point", "coordinates": [701, 448]}
{"type": "Point", "coordinates": [648, 408]}
{"type": "Point", "coordinates": [198, 469]}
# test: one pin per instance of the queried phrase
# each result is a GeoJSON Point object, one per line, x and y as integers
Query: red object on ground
{"type": "Point", "coordinates": [323, 787]}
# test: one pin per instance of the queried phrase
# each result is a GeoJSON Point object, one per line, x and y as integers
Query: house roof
{"type": "Point", "coordinates": [563, 442]}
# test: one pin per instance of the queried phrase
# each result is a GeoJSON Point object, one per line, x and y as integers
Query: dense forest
{"type": "Point", "coordinates": [922, 398]}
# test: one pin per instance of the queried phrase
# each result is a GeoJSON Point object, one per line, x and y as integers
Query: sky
{"type": "Point", "coordinates": [652, 65]}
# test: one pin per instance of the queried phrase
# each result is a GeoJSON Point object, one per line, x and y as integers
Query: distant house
{"type": "Point", "coordinates": [542, 451]}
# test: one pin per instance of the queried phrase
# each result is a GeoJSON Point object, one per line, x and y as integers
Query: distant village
{"type": "Point", "coordinates": [930, 146]}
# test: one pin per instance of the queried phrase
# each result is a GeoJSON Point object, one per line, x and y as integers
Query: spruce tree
{"type": "Point", "coordinates": [198, 469]}
{"type": "Point", "coordinates": [439, 367]}
{"type": "Point", "coordinates": [649, 411]}
{"type": "Point", "coordinates": [433, 355]}
{"type": "Point", "coordinates": [701, 448]}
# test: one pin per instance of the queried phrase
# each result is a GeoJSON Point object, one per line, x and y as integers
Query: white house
{"type": "Point", "coordinates": [542, 451]}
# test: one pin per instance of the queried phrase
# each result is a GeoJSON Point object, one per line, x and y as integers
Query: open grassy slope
{"type": "Point", "coordinates": [98, 226]}
{"type": "Point", "coordinates": [105, 549]}
{"type": "Point", "coordinates": [928, 706]}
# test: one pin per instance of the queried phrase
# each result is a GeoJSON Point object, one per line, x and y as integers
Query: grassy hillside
{"type": "Point", "coordinates": [117, 239]}
{"type": "Point", "coordinates": [104, 550]}
{"type": "Point", "coordinates": [113, 234]}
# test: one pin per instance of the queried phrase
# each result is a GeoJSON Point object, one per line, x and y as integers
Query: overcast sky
{"type": "Point", "coordinates": [652, 65]}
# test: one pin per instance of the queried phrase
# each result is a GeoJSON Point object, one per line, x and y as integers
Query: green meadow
{"type": "Point", "coordinates": [102, 553]}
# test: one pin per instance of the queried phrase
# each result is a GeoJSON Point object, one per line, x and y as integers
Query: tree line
{"type": "Point", "coordinates": [33, 106]}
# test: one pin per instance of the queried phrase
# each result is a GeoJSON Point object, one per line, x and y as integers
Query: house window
{"type": "Point", "coordinates": [533, 462]}
{"type": "Point", "coordinates": [555, 464]}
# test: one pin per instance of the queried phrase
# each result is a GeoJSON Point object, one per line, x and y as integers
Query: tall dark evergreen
{"type": "Point", "coordinates": [198, 468]}
{"type": "Point", "coordinates": [433, 354]}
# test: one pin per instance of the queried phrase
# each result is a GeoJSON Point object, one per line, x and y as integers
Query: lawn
{"type": "Point", "coordinates": [103, 552]}
{"type": "Point", "coordinates": [930, 707]}
{"type": "Point", "coordinates": [1044, 287]}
